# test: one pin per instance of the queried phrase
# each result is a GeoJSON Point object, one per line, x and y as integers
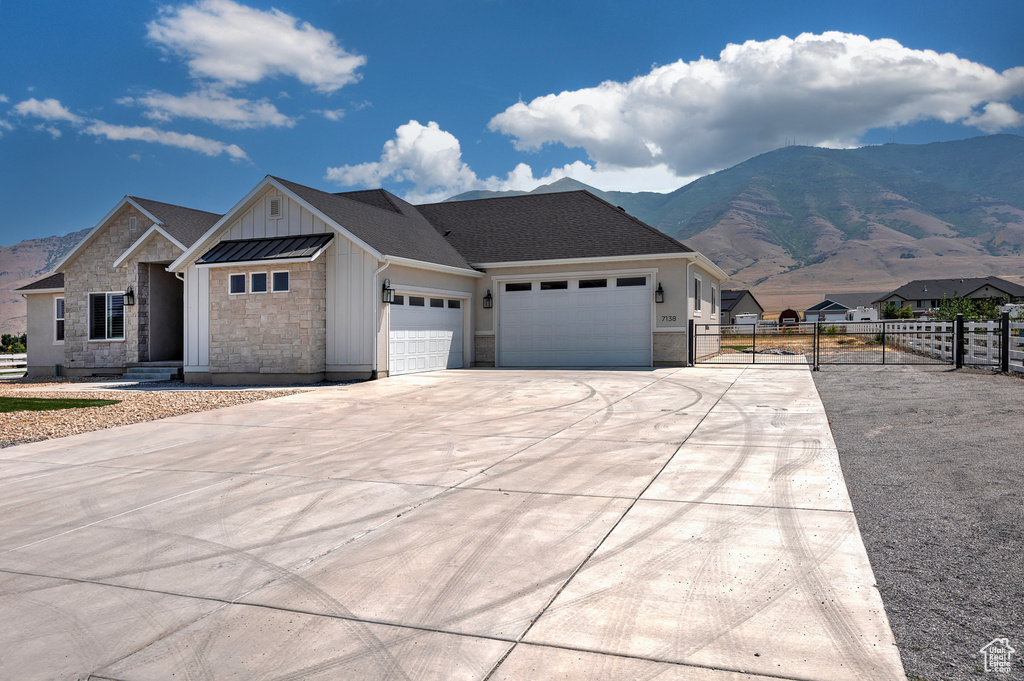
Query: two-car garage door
{"type": "Point", "coordinates": [426, 334]}
{"type": "Point", "coordinates": [594, 321]}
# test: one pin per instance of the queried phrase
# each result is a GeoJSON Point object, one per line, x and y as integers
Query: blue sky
{"type": "Point", "coordinates": [194, 102]}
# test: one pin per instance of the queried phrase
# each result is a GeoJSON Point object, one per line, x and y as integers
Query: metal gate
{"type": "Point", "coordinates": [957, 343]}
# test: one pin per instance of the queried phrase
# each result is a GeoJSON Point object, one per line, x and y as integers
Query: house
{"type": "Point", "coordinates": [826, 311]}
{"type": "Point", "coordinates": [922, 295]}
{"type": "Point", "coordinates": [737, 302]}
{"type": "Point", "coordinates": [294, 284]}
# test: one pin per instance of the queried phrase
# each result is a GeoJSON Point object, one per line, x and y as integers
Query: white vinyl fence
{"type": "Point", "coordinates": [10, 362]}
{"type": "Point", "coordinates": [982, 341]}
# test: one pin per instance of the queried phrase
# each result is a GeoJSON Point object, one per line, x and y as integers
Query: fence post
{"type": "Point", "coordinates": [958, 341]}
{"type": "Point", "coordinates": [883, 342]}
{"type": "Point", "coordinates": [753, 345]}
{"type": "Point", "coordinates": [692, 338]}
{"type": "Point", "coordinates": [1004, 343]}
{"type": "Point", "coordinates": [817, 346]}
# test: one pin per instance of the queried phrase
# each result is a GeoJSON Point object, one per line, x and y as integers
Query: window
{"type": "Point", "coordinates": [258, 282]}
{"type": "Point", "coordinates": [58, 332]}
{"type": "Point", "coordinates": [454, 304]}
{"type": "Point", "coordinates": [696, 295]}
{"type": "Point", "coordinates": [280, 281]}
{"type": "Point", "coordinates": [416, 301]}
{"type": "Point", "coordinates": [518, 287]}
{"type": "Point", "coordinates": [437, 302]}
{"type": "Point", "coordinates": [133, 223]}
{"type": "Point", "coordinates": [399, 300]}
{"type": "Point", "coordinates": [593, 283]}
{"type": "Point", "coordinates": [554, 285]}
{"type": "Point", "coordinates": [631, 281]}
{"type": "Point", "coordinates": [106, 316]}
{"type": "Point", "coordinates": [274, 208]}
{"type": "Point", "coordinates": [236, 283]}
{"type": "Point", "coordinates": [714, 301]}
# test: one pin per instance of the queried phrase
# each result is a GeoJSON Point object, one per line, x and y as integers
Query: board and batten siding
{"type": "Point", "coordinates": [350, 306]}
{"type": "Point", "coordinates": [255, 222]}
{"type": "Point", "coordinates": [197, 319]}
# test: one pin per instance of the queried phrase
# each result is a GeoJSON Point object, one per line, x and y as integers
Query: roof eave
{"type": "Point", "coordinates": [434, 267]}
{"type": "Point", "coordinates": [155, 229]}
{"type": "Point", "coordinates": [99, 225]}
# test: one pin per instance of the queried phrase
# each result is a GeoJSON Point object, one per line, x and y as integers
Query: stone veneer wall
{"type": "Point", "coordinates": [483, 351]}
{"type": "Point", "coordinates": [270, 333]}
{"type": "Point", "coordinates": [91, 271]}
{"type": "Point", "coordinates": [670, 349]}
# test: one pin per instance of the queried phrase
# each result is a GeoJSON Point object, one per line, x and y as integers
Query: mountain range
{"type": "Point", "coordinates": [800, 221]}
{"type": "Point", "coordinates": [790, 224]}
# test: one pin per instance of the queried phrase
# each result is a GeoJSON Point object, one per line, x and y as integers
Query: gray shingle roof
{"type": "Point", "coordinates": [186, 225]}
{"type": "Point", "coordinates": [732, 296]}
{"type": "Point", "coordinates": [545, 227]}
{"type": "Point", "coordinates": [267, 249]}
{"type": "Point", "coordinates": [935, 289]}
{"type": "Point", "coordinates": [52, 281]}
{"type": "Point", "coordinates": [855, 300]}
{"type": "Point", "coordinates": [827, 306]}
{"type": "Point", "coordinates": [402, 232]}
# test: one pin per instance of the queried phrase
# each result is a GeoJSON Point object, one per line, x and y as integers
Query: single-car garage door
{"type": "Point", "coordinates": [426, 334]}
{"type": "Point", "coordinates": [575, 322]}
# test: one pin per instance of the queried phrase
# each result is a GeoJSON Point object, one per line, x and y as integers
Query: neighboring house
{"type": "Point", "coordinates": [826, 311]}
{"type": "Point", "coordinates": [293, 285]}
{"type": "Point", "coordinates": [739, 302]}
{"type": "Point", "coordinates": [923, 295]}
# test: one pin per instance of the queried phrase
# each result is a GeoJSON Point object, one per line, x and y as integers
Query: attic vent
{"type": "Point", "coordinates": [275, 207]}
{"type": "Point", "coordinates": [133, 223]}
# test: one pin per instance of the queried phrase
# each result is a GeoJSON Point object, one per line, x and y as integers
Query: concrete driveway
{"type": "Point", "coordinates": [476, 524]}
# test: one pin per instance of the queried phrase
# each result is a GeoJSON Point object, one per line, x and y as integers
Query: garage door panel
{"type": "Point", "coordinates": [425, 338]}
{"type": "Point", "coordinates": [575, 327]}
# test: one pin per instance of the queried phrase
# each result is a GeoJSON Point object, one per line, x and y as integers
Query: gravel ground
{"type": "Point", "coordinates": [934, 461]}
{"type": "Point", "coordinates": [145, 402]}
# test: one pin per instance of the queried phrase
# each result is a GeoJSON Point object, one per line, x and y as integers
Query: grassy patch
{"type": "Point", "coordinates": [41, 404]}
{"type": "Point", "coordinates": [737, 347]}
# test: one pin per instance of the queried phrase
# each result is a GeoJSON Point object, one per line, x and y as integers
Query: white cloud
{"type": "Point", "coordinates": [700, 116]}
{"type": "Point", "coordinates": [3, 99]}
{"type": "Point", "coordinates": [424, 155]}
{"type": "Point", "coordinates": [53, 111]}
{"type": "Point", "coordinates": [431, 160]}
{"type": "Point", "coordinates": [230, 43]}
{"type": "Point", "coordinates": [994, 117]}
{"type": "Point", "coordinates": [47, 109]}
{"type": "Point", "coordinates": [171, 139]}
{"type": "Point", "coordinates": [211, 106]}
{"type": "Point", "coordinates": [331, 114]}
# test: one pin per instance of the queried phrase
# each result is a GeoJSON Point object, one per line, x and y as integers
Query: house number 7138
{"type": "Point", "coordinates": [668, 318]}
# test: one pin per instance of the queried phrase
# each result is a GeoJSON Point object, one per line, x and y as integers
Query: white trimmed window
{"type": "Point", "coordinates": [258, 282]}
{"type": "Point", "coordinates": [106, 316]}
{"type": "Point", "coordinates": [58, 328]}
{"type": "Point", "coordinates": [280, 281]}
{"type": "Point", "coordinates": [697, 295]}
{"type": "Point", "coordinates": [236, 284]}
{"type": "Point", "coordinates": [714, 301]}
{"type": "Point", "coordinates": [133, 223]}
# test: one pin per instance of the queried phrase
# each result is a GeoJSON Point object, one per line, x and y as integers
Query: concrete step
{"type": "Point", "coordinates": [150, 374]}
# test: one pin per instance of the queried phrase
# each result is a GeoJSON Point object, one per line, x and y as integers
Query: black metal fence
{"type": "Point", "coordinates": [958, 343]}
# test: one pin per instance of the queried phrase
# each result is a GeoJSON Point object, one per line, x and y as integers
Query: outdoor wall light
{"type": "Point", "coordinates": [129, 297]}
{"type": "Point", "coordinates": [659, 295]}
{"type": "Point", "coordinates": [388, 294]}
{"type": "Point", "coordinates": [488, 300]}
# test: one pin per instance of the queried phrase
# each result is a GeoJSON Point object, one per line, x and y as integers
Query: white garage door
{"type": "Point", "coordinates": [426, 334]}
{"type": "Point", "coordinates": [575, 322]}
